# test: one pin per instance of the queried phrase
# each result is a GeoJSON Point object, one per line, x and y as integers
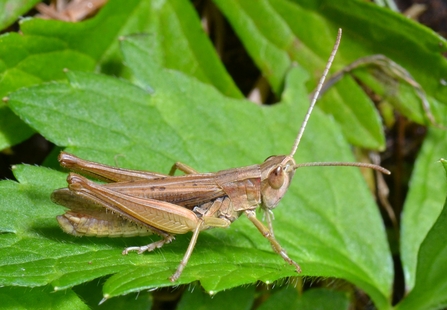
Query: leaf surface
{"type": "Point", "coordinates": [328, 221]}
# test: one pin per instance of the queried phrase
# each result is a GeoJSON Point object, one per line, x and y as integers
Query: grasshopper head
{"type": "Point", "coordinates": [277, 173]}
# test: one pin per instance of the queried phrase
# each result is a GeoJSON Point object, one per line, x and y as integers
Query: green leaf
{"type": "Point", "coordinates": [289, 298]}
{"type": "Point", "coordinates": [444, 163]}
{"type": "Point", "coordinates": [430, 281]}
{"type": "Point", "coordinates": [47, 47]}
{"type": "Point", "coordinates": [90, 292]}
{"type": "Point", "coordinates": [39, 298]}
{"type": "Point", "coordinates": [239, 298]}
{"type": "Point", "coordinates": [398, 93]}
{"type": "Point", "coordinates": [175, 27]}
{"type": "Point", "coordinates": [328, 221]}
{"type": "Point", "coordinates": [171, 23]}
{"type": "Point", "coordinates": [11, 10]}
{"type": "Point", "coordinates": [424, 201]}
{"type": "Point", "coordinates": [28, 60]}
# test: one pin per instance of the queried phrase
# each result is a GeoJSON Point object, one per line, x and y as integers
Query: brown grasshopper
{"type": "Point", "coordinates": [142, 203]}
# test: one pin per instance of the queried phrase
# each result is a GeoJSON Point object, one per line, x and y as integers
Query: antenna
{"type": "Point", "coordinates": [316, 94]}
{"type": "Point", "coordinates": [309, 111]}
{"type": "Point", "coordinates": [345, 164]}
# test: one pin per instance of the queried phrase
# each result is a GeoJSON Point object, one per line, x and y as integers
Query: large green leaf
{"type": "Point", "coordinates": [430, 281]}
{"type": "Point", "coordinates": [367, 30]}
{"type": "Point", "coordinates": [328, 221]}
{"type": "Point", "coordinates": [424, 202]}
{"type": "Point", "coordinates": [47, 47]}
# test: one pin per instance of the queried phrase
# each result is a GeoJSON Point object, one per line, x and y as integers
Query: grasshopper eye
{"type": "Point", "coordinates": [276, 178]}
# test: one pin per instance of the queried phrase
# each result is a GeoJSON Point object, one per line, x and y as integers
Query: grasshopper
{"type": "Point", "coordinates": [140, 203]}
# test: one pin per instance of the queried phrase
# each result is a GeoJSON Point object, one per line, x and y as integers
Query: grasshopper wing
{"type": "Point", "coordinates": [186, 190]}
{"type": "Point", "coordinates": [87, 217]}
{"type": "Point", "coordinates": [162, 215]}
{"type": "Point", "coordinates": [104, 172]}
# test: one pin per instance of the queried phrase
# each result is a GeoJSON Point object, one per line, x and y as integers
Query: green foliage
{"type": "Point", "coordinates": [431, 267]}
{"type": "Point", "coordinates": [289, 298]}
{"type": "Point", "coordinates": [237, 298]}
{"type": "Point", "coordinates": [39, 298]}
{"type": "Point", "coordinates": [47, 47]}
{"type": "Point", "coordinates": [175, 102]}
{"type": "Point", "coordinates": [10, 10]}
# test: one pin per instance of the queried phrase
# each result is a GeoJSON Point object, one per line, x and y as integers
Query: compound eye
{"type": "Point", "coordinates": [276, 178]}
